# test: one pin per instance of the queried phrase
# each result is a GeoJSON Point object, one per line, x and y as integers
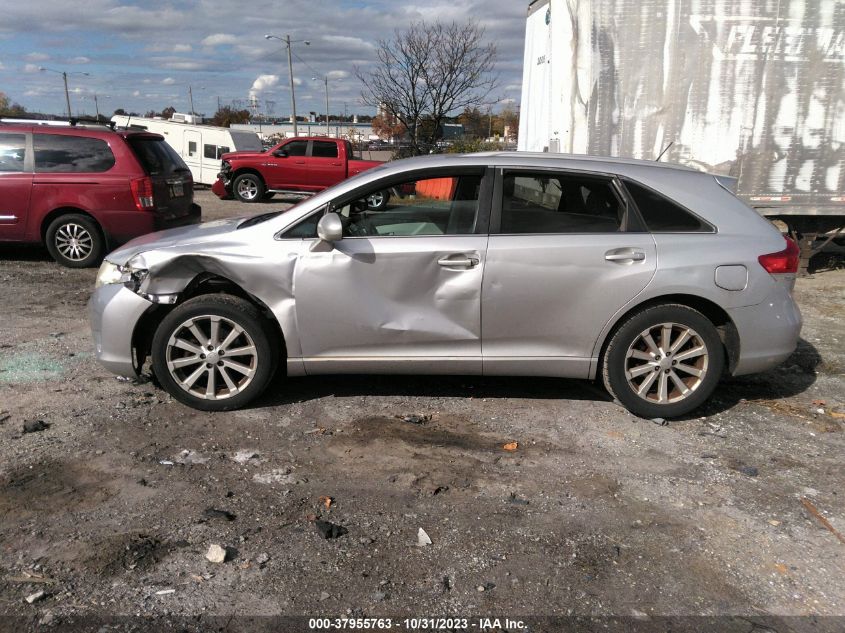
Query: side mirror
{"type": "Point", "coordinates": [330, 228]}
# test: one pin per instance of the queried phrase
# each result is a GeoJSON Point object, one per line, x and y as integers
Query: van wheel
{"type": "Point", "coordinates": [214, 353]}
{"type": "Point", "coordinates": [75, 241]}
{"type": "Point", "coordinates": [248, 188]}
{"type": "Point", "coordinates": [664, 361]}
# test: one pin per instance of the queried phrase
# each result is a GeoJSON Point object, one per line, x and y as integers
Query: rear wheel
{"type": "Point", "coordinates": [378, 201]}
{"type": "Point", "coordinates": [214, 353]}
{"type": "Point", "coordinates": [75, 241]}
{"type": "Point", "coordinates": [248, 188]}
{"type": "Point", "coordinates": [664, 361]}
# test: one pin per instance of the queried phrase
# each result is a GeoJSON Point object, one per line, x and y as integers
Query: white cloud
{"type": "Point", "coordinates": [182, 48]}
{"type": "Point", "coordinates": [168, 81]}
{"type": "Point", "coordinates": [31, 68]}
{"type": "Point", "coordinates": [37, 57]}
{"type": "Point", "coordinates": [81, 59]}
{"type": "Point", "coordinates": [337, 74]}
{"type": "Point", "coordinates": [219, 39]}
{"type": "Point", "coordinates": [2, 66]}
{"type": "Point", "coordinates": [136, 93]}
{"type": "Point", "coordinates": [262, 83]}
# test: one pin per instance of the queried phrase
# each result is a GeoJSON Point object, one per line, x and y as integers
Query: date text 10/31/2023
{"type": "Point", "coordinates": [415, 624]}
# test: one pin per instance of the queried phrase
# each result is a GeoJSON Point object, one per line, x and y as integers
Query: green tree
{"type": "Point", "coordinates": [7, 108]}
{"type": "Point", "coordinates": [227, 115]}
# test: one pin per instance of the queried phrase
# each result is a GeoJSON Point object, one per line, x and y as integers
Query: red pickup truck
{"type": "Point", "coordinates": [302, 166]}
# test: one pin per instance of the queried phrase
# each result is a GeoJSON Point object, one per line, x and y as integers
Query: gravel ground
{"type": "Point", "coordinates": [111, 509]}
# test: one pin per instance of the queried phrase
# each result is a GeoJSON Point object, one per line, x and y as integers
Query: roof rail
{"type": "Point", "coordinates": [72, 122]}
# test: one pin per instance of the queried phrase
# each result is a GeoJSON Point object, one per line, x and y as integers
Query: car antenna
{"type": "Point", "coordinates": [665, 149]}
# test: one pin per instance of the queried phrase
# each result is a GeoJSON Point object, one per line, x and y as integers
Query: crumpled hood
{"type": "Point", "coordinates": [182, 236]}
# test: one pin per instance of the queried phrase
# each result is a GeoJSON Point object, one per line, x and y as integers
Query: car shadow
{"type": "Point", "coordinates": [24, 253]}
{"type": "Point", "coordinates": [793, 377]}
{"type": "Point", "coordinates": [285, 390]}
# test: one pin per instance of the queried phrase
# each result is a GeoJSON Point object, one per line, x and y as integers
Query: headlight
{"type": "Point", "coordinates": [127, 275]}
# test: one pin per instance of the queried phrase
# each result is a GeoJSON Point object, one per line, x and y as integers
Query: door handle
{"type": "Point", "coordinates": [336, 164]}
{"type": "Point", "coordinates": [466, 262]}
{"type": "Point", "coordinates": [624, 255]}
{"type": "Point", "coordinates": [299, 162]}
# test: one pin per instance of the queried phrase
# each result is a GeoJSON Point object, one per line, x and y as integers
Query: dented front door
{"type": "Point", "coordinates": [379, 304]}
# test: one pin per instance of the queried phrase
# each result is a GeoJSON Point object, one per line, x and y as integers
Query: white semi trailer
{"type": "Point", "coordinates": [753, 90]}
{"type": "Point", "coordinates": [200, 146]}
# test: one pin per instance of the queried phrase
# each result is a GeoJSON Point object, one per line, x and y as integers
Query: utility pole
{"type": "Point", "coordinates": [97, 107]}
{"type": "Point", "coordinates": [191, 97]}
{"type": "Point", "coordinates": [326, 79]}
{"type": "Point", "coordinates": [67, 92]}
{"type": "Point", "coordinates": [288, 43]}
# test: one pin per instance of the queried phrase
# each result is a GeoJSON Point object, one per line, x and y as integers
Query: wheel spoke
{"type": "Point", "coordinates": [214, 339]}
{"type": "Point", "coordinates": [211, 386]}
{"type": "Point", "coordinates": [646, 384]}
{"type": "Point", "coordinates": [236, 331]}
{"type": "Point", "coordinates": [679, 383]}
{"type": "Point", "coordinates": [682, 339]}
{"type": "Point", "coordinates": [640, 370]}
{"type": "Point", "coordinates": [689, 369]}
{"type": "Point", "coordinates": [190, 380]}
{"type": "Point", "coordinates": [241, 351]}
{"type": "Point", "coordinates": [666, 337]}
{"type": "Point", "coordinates": [640, 355]}
{"type": "Point", "coordinates": [233, 388]}
{"type": "Point", "coordinates": [246, 371]}
{"type": "Point", "coordinates": [663, 387]}
{"type": "Point", "coordinates": [185, 345]}
{"type": "Point", "coordinates": [201, 338]}
{"type": "Point", "coordinates": [691, 353]}
{"type": "Point", "coordinates": [187, 361]}
{"type": "Point", "coordinates": [652, 346]}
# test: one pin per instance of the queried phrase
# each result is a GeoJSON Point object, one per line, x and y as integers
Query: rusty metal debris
{"type": "Point", "coordinates": [818, 515]}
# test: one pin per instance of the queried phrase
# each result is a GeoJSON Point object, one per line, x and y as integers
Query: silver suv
{"type": "Point", "coordinates": [654, 277]}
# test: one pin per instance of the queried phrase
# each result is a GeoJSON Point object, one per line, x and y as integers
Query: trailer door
{"type": "Point", "coordinates": [192, 153]}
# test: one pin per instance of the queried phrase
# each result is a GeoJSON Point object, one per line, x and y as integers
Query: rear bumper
{"type": "Point", "coordinates": [114, 312]}
{"type": "Point", "coordinates": [122, 226]}
{"type": "Point", "coordinates": [768, 331]}
{"type": "Point", "coordinates": [194, 216]}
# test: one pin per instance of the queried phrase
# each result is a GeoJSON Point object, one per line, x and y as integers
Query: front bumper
{"type": "Point", "coordinates": [114, 311]}
{"type": "Point", "coordinates": [220, 190]}
{"type": "Point", "coordinates": [768, 331]}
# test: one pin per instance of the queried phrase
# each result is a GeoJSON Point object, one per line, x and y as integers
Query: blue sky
{"type": "Point", "coordinates": [145, 55]}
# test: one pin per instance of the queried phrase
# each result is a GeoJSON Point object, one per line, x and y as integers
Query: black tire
{"type": "Point", "coordinates": [378, 200]}
{"type": "Point", "coordinates": [631, 337]}
{"type": "Point", "coordinates": [75, 240]}
{"type": "Point", "coordinates": [213, 364]}
{"type": "Point", "coordinates": [248, 188]}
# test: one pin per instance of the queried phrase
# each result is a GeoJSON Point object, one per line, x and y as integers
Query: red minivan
{"type": "Point", "coordinates": [82, 190]}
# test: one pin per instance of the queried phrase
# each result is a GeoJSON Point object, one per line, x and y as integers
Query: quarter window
{"type": "Point", "coordinates": [12, 152]}
{"type": "Point", "coordinates": [560, 203]}
{"type": "Point", "coordinates": [444, 205]}
{"type": "Point", "coordinates": [661, 215]}
{"type": "Point", "coordinates": [71, 154]}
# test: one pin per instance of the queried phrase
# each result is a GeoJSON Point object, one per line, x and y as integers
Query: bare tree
{"type": "Point", "coordinates": [428, 73]}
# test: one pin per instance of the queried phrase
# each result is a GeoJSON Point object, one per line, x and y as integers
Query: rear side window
{"type": "Point", "coordinates": [12, 152]}
{"type": "Point", "coordinates": [156, 156]}
{"type": "Point", "coordinates": [322, 149]}
{"type": "Point", "coordinates": [62, 153]}
{"type": "Point", "coordinates": [546, 203]}
{"type": "Point", "coordinates": [661, 215]}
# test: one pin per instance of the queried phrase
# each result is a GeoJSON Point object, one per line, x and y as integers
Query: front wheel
{"type": "Point", "coordinates": [75, 241]}
{"type": "Point", "coordinates": [214, 353]}
{"type": "Point", "coordinates": [248, 188]}
{"type": "Point", "coordinates": [664, 361]}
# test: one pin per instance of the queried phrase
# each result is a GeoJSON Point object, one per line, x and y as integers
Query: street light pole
{"type": "Point", "coordinates": [67, 92]}
{"type": "Point", "coordinates": [288, 43]}
{"type": "Point", "coordinates": [191, 97]}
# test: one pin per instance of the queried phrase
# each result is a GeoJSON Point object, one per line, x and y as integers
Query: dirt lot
{"type": "Point", "coordinates": [596, 512]}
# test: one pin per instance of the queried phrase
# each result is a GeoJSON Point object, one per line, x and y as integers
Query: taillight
{"type": "Point", "coordinates": [785, 261]}
{"type": "Point", "coordinates": [142, 190]}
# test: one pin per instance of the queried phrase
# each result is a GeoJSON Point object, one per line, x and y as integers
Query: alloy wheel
{"type": "Point", "coordinates": [666, 363]}
{"type": "Point", "coordinates": [211, 357]}
{"type": "Point", "coordinates": [248, 189]}
{"type": "Point", "coordinates": [74, 241]}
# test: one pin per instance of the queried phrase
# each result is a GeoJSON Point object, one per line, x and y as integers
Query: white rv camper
{"type": "Point", "coordinates": [200, 146]}
{"type": "Point", "coordinates": [753, 90]}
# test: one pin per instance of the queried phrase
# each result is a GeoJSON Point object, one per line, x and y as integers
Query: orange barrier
{"type": "Point", "coordinates": [437, 188]}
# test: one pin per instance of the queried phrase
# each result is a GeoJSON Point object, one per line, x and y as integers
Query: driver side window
{"type": "Point", "coordinates": [444, 205]}
{"type": "Point", "coordinates": [295, 148]}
